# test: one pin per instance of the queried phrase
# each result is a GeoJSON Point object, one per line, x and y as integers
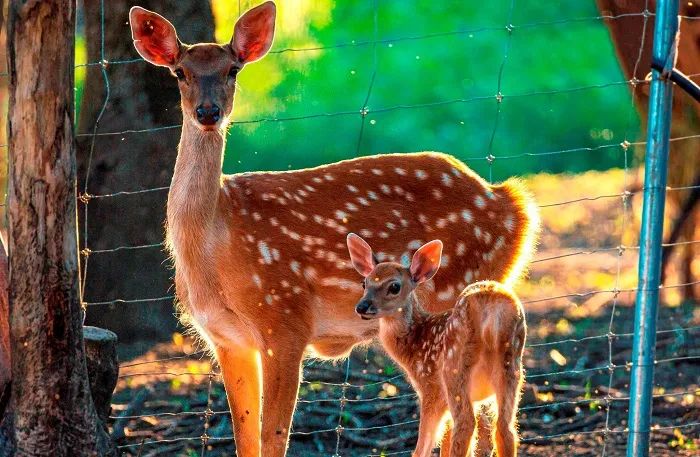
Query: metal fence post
{"type": "Point", "coordinates": [656, 163]}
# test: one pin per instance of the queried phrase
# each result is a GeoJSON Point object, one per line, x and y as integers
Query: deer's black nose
{"type": "Point", "coordinates": [365, 308]}
{"type": "Point", "coordinates": [208, 115]}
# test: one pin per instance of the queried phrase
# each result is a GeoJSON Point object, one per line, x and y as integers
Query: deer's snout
{"type": "Point", "coordinates": [366, 309]}
{"type": "Point", "coordinates": [208, 115]}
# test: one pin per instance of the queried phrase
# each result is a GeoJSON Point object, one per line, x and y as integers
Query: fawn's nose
{"type": "Point", "coordinates": [365, 308]}
{"type": "Point", "coordinates": [208, 115]}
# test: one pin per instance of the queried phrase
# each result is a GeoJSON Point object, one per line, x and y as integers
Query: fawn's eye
{"type": "Point", "coordinates": [179, 73]}
{"type": "Point", "coordinates": [363, 284]}
{"type": "Point", "coordinates": [233, 72]}
{"type": "Point", "coordinates": [394, 288]}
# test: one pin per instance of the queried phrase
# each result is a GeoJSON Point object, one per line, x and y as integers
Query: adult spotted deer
{"type": "Point", "coordinates": [456, 359]}
{"type": "Point", "coordinates": [260, 269]}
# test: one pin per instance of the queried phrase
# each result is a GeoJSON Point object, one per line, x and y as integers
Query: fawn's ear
{"type": "Point", "coordinates": [154, 37]}
{"type": "Point", "coordinates": [426, 261]}
{"type": "Point", "coordinates": [363, 259]}
{"type": "Point", "coordinates": [254, 32]}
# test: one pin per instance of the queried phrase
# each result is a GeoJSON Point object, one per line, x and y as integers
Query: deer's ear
{"type": "Point", "coordinates": [426, 261]}
{"type": "Point", "coordinates": [154, 37]}
{"type": "Point", "coordinates": [254, 32]}
{"type": "Point", "coordinates": [361, 255]}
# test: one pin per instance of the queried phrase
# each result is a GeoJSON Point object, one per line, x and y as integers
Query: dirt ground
{"type": "Point", "coordinates": [575, 401]}
{"type": "Point", "coordinates": [563, 410]}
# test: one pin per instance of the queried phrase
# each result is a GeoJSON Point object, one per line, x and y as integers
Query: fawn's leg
{"type": "Point", "coordinates": [484, 440]}
{"type": "Point", "coordinates": [508, 396]}
{"type": "Point", "coordinates": [432, 409]}
{"type": "Point", "coordinates": [281, 366]}
{"type": "Point", "coordinates": [463, 428]}
{"type": "Point", "coordinates": [240, 368]}
{"type": "Point", "coordinates": [446, 443]}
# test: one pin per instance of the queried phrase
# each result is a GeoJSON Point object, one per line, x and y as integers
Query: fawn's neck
{"type": "Point", "coordinates": [194, 190]}
{"type": "Point", "coordinates": [399, 334]}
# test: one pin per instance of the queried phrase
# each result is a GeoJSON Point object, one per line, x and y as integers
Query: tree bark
{"type": "Point", "coordinates": [53, 412]}
{"type": "Point", "coordinates": [140, 97]}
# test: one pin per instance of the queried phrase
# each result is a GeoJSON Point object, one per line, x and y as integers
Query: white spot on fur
{"type": "Point", "coordinates": [415, 244]}
{"type": "Point", "coordinates": [420, 174]}
{"type": "Point", "coordinates": [309, 188]}
{"type": "Point", "coordinates": [372, 195]}
{"type": "Point", "coordinates": [499, 243]}
{"type": "Point", "coordinates": [437, 194]}
{"type": "Point", "coordinates": [441, 223]}
{"type": "Point", "coordinates": [509, 223]}
{"type": "Point", "coordinates": [445, 260]}
{"type": "Point", "coordinates": [468, 276]}
{"type": "Point", "coordinates": [377, 171]}
{"type": "Point", "coordinates": [477, 232]}
{"type": "Point", "coordinates": [383, 235]}
{"type": "Point", "coordinates": [446, 294]}
{"type": "Point", "coordinates": [446, 180]}
{"type": "Point", "coordinates": [257, 280]}
{"type": "Point", "coordinates": [352, 188]}
{"type": "Point", "coordinates": [366, 233]}
{"type": "Point", "coordinates": [363, 201]}
{"type": "Point", "coordinates": [340, 214]}
{"type": "Point", "coordinates": [479, 201]}
{"type": "Point", "coordinates": [318, 180]}
{"type": "Point", "coordinates": [405, 259]}
{"type": "Point", "coordinates": [467, 215]}
{"type": "Point", "coordinates": [351, 206]}
{"type": "Point", "coordinates": [385, 189]}
{"type": "Point", "coordinates": [295, 267]}
{"type": "Point", "coordinates": [265, 252]}
{"type": "Point", "coordinates": [310, 274]}
{"type": "Point", "coordinates": [400, 171]}
{"type": "Point", "coordinates": [461, 248]}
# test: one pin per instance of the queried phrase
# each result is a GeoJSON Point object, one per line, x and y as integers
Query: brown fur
{"type": "Point", "coordinates": [260, 259]}
{"type": "Point", "coordinates": [458, 359]}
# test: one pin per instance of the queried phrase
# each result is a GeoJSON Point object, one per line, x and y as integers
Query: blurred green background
{"type": "Point", "coordinates": [446, 55]}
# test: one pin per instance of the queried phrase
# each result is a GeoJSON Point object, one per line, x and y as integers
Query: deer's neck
{"type": "Point", "coordinates": [401, 332]}
{"type": "Point", "coordinates": [194, 190]}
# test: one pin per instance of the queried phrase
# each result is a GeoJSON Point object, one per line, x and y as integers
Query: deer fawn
{"type": "Point", "coordinates": [456, 359]}
{"type": "Point", "coordinates": [259, 257]}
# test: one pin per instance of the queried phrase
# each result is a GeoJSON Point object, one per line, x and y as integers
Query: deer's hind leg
{"type": "Point", "coordinates": [508, 386]}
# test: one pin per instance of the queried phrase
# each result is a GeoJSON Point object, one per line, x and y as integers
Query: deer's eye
{"type": "Point", "coordinates": [363, 284]}
{"type": "Point", "coordinates": [394, 288]}
{"type": "Point", "coordinates": [179, 73]}
{"type": "Point", "coordinates": [233, 72]}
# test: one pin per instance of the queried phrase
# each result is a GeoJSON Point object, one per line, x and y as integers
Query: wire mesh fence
{"type": "Point", "coordinates": [172, 401]}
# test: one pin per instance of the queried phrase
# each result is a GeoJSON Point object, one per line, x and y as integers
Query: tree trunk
{"type": "Point", "coordinates": [53, 413]}
{"type": "Point", "coordinates": [140, 97]}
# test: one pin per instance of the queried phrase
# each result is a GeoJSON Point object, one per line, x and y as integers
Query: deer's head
{"type": "Point", "coordinates": [206, 72]}
{"type": "Point", "coordinates": [388, 285]}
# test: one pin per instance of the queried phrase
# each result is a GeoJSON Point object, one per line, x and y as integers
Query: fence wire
{"type": "Point", "coordinates": [345, 390]}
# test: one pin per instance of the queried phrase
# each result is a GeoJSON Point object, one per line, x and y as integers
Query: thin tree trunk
{"type": "Point", "coordinates": [53, 412]}
{"type": "Point", "coordinates": [140, 97]}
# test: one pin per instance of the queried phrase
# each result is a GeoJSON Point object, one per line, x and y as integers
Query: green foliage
{"type": "Point", "coordinates": [544, 57]}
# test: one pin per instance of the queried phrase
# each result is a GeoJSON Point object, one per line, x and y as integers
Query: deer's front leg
{"type": "Point", "coordinates": [433, 408]}
{"type": "Point", "coordinates": [281, 367]}
{"type": "Point", "coordinates": [239, 366]}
